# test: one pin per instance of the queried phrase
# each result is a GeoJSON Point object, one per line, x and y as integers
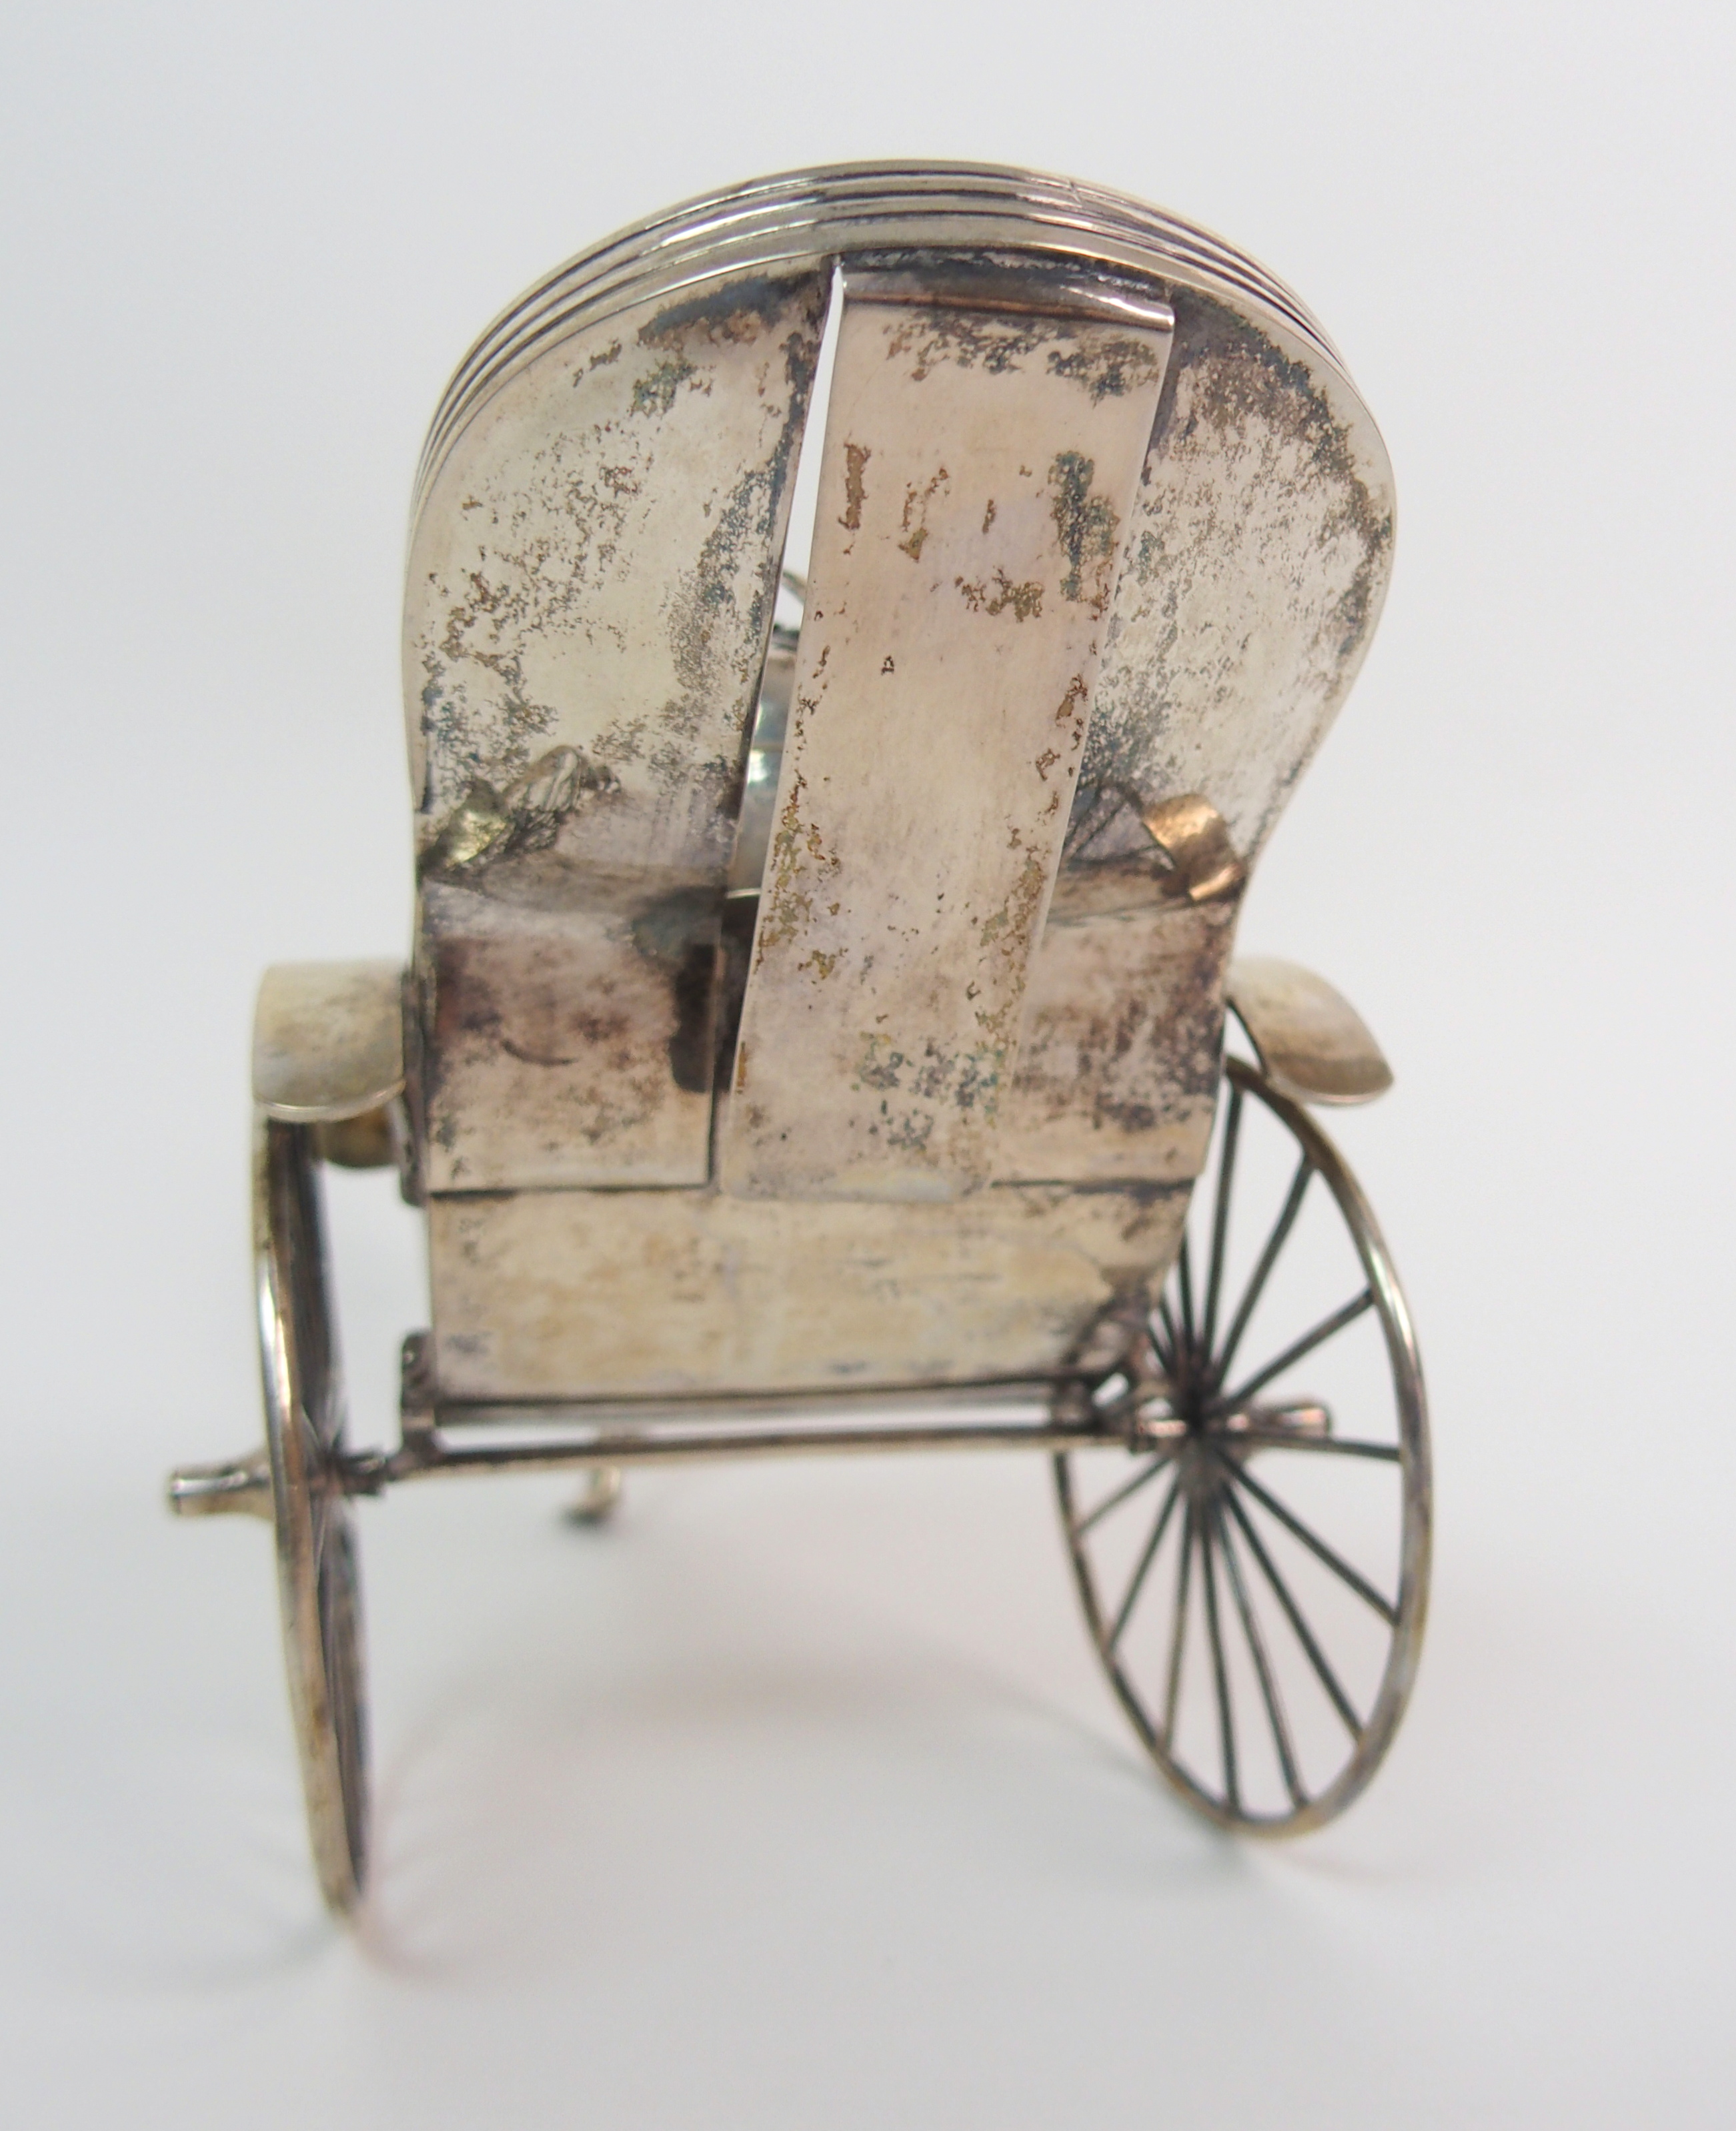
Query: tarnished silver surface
{"type": "Point", "coordinates": [1311, 1043]}
{"type": "Point", "coordinates": [1117, 1073]}
{"type": "Point", "coordinates": [564, 1294]}
{"type": "Point", "coordinates": [984, 437]}
{"type": "Point", "coordinates": [328, 1040]}
{"type": "Point", "coordinates": [1257, 560]}
{"type": "Point", "coordinates": [585, 649]}
{"type": "Point", "coordinates": [1272, 456]}
{"type": "Point", "coordinates": [1267, 504]}
{"type": "Point", "coordinates": [590, 585]}
{"type": "Point", "coordinates": [815, 1023]}
{"type": "Point", "coordinates": [802, 218]}
{"type": "Point", "coordinates": [1257, 564]}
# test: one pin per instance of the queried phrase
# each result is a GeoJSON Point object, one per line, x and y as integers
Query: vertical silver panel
{"type": "Point", "coordinates": [591, 576]}
{"type": "Point", "coordinates": [1255, 567]}
{"type": "Point", "coordinates": [983, 444]}
{"type": "Point", "coordinates": [1256, 564]}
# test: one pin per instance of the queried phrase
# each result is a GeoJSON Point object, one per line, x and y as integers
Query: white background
{"type": "Point", "coordinates": [795, 1799]}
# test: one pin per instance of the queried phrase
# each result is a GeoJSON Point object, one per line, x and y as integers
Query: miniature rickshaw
{"type": "Point", "coordinates": [814, 1029]}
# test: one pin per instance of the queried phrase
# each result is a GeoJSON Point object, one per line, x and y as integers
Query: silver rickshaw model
{"type": "Point", "coordinates": [814, 1029]}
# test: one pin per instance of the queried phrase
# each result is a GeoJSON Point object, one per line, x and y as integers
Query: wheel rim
{"type": "Point", "coordinates": [318, 1588]}
{"type": "Point", "coordinates": [1256, 1578]}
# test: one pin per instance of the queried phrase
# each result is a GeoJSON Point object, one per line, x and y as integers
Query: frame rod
{"type": "Point", "coordinates": [434, 1451]}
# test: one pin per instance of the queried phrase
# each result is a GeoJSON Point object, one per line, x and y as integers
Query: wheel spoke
{"type": "Point", "coordinates": [1184, 1288]}
{"type": "Point", "coordinates": [1328, 1328]}
{"type": "Point", "coordinates": [1178, 1630]}
{"type": "Point", "coordinates": [1221, 1218]}
{"type": "Point", "coordinates": [1316, 1546]}
{"type": "Point", "coordinates": [1269, 1693]}
{"type": "Point", "coordinates": [1220, 1672]}
{"type": "Point", "coordinates": [1121, 1494]}
{"type": "Point", "coordinates": [319, 1522]}
{"type": "Point", "coordinates": [1290, 1438]}
{"type": "Point", "coordinates": [1292, 1613]}
{"type": "Point", "coordinates": [1145, 1560]}
{"type": "Point", "coordinates": [1168, 1322]}
{"type": "Point", "coordinates": [1267, 1258]}
{"type": "Point", "coordinates": [1162, 1345]}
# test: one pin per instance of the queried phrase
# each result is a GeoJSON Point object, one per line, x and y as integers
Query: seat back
{"type": "Point", "coordinates": [1102, 534]}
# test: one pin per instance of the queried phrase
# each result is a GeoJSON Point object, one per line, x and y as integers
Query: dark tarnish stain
{"type": "Point", "coordinates": [1106, 364]}
{"type": "Point", "coordinates": [856, 458]}
{"type": "Point", "coordinates": [679, 934]}
{"type": "Point", "coordinates": [734, 310]}
{"type": "Point", "coordinates": [693, 993]}
{"type": "Point", "coordinates": [979, 1080]}
{"type": "Point", "coordinates": [457, 741]}
{"type": "Point", "coordinates": [969, 1082]}
{"type": "Point", "coordinates": [654, 393]}
{"type": "Point", "coordinates": [915, 520]}
{"type": "Point", "coordinates": [909, 1134]}
{"type": "Point", "coordinates": [875, 1071]}
{"type": "Point", "coordinates": [932, 334]}
{"type": "Point", "coordinates": [1071, 709]}
{"type": "Point", "coordinates": [624, 740]}
{"type": "Point", "coordinates": [1109, 368]}
{"type": "Point", "coordinates": [735, 944]}
{"type": "Point", "coordinates": [1088, 526]}
{"type": "Point", "coordinates": [1025, 600]}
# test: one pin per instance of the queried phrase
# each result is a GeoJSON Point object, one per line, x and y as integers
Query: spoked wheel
{"type": "Point", "coordinates": [1255, 1566]}
{"type": "Point", "coordinates": [317, 1577]}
